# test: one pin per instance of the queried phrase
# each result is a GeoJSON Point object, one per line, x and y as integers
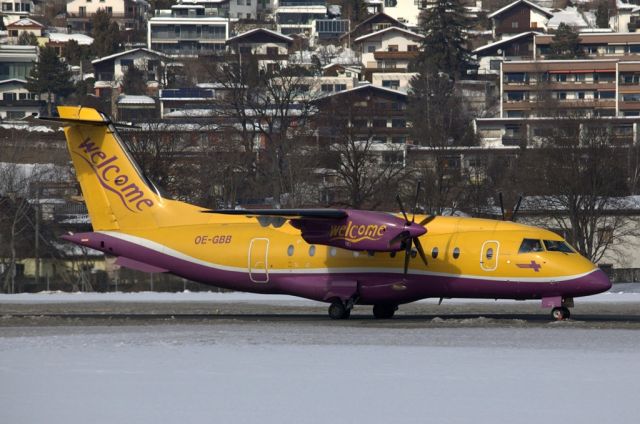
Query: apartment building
{"type": "Point", "coordinates": [16, 102]}
{"type": "Point", "coordinates": [129, 14]}
{"type": "Point", "coordinates": [24, 25]}
{"type": "Point", "coordinates": [388, 50]}
{"type": "Point", "coordinates": [405, 11]}
{"type": "Point", "coordinates": [298, 16]}
{"type": "Point", "coordinates": [596, 45]}
{"type": "Point", "coordinates": [518, 17]}
{"type": "Point", "coordinates": [188, 30]}
{"type": "Point", "coordinates": [517, 47]}
{"type": "Point", "coordinates": [17, 7]}
{"type": "Point", "coordinates": [590, 87]}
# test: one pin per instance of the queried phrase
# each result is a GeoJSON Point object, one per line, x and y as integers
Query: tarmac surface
{"type": "Point", "coordinates": [623, 315]}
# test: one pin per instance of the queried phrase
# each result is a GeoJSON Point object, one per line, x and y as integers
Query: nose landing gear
{"type": "Point", "coordinates": [560, 306]}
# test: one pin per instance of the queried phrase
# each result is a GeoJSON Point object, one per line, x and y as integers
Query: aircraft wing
{"type": "Point", "coordinates": [329, 214]}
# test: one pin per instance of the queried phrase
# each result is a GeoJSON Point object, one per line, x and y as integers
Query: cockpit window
{"type": "Point", "coordinates": [557, 246]}
{"type": "Point", "coordinates": [530, 245]}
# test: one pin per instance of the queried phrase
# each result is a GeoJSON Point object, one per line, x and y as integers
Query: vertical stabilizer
{"type": "Point", "coordinates": [117, 194]}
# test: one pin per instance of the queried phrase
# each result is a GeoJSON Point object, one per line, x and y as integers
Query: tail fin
{"type": "Point", "coordinates": [117, 194]}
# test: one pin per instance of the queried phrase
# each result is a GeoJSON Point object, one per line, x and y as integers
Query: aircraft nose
{"type": "Point", "coordinates": [597, 282]}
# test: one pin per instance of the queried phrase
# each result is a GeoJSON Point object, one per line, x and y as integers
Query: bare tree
{"type": "Point", "coordinates": [368, 169]}
{"type": "Point", "coordinates": [440, 127]}
{"type": "Point", "coordinates": [579, 184]}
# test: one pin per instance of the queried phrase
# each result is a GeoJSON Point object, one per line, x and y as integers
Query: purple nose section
{"type": "Point", "coordinates": [596, 282]}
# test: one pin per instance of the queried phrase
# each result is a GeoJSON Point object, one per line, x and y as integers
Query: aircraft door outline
{"type": "Point", "coordinates": [258, 265]}
{"type": "Point", "coordinates": [489, 255]}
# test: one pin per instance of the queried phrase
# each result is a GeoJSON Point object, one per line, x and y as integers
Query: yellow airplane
{"type": "Point", "coordinates": [340, 256]}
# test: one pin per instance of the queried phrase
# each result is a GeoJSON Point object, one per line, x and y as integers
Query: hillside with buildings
{"type": "Point", "coordinates": [316, 103]}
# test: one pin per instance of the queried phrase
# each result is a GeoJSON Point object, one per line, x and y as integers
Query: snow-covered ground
{"type": "Point", "coordinates": [629, 292]}
{"type": "Point", "coordinates": [318, 373]}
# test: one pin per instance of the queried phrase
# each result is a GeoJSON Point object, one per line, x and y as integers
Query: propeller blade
{"type": "Point", "coordinates": [402, 236]}
{"type": "Point", "coordinates": [407, 256]}
{"type": "Point", "coordinates": [501, 205]}
{"type": "Point", "coordinates": [427, 220]}
{"type": "Point", "coordinates": [406, 218]}
{"type": "Point", "coordinates": [415, 204]}
{"type": "Point", "coordinates": [420, 250]}
{"type": "Point", "coordinates": [516, 209]}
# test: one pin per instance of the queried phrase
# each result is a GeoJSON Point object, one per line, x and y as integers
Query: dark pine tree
{"type": "Point", "coordinates": [133, 81]}
{"type": "Point", "coordinates": [105, 33]}
{"type": "Point", "coordinates": [602, 14]}
{"type": "Point", "coordinates": [444, 48]}
{"type": "Point", "coordinates": [51, 76]}
{"type": "Point", "coordinates": [565, 44]}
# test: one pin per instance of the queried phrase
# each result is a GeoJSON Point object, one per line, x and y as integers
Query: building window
{"type": "Point", "coordinates": [514, 24]}
{"type": "Point", "coordinates": [412, 48]}
{"type": "Point", "coordinates": [398, 123]}
{"type": "Point", "coordinates": [371, 48]}
{"type": "Point", "coordinates": [611, 49]}
{"type": "Point", "coordinates": [8, 96]}
{"type": "Point", "coordinates": [390, 3]}
{"type": "Point", "coordinates": [272, 51]}
{"type": "Point", "coordinates": [340, 87]}
{"type": "Point", "coordinates": [392, 48]}
{"type": "Point", "coordinates": [326, 88]}
{"type": "Point", "coordinates": [494, 64]}
{"type": "Point", "coordinates": [393, 84]}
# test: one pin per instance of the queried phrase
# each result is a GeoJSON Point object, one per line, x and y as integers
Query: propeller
{"type": "Point", "coordinates": [515, 209]}
{"type": "Point", "coordinates": [409, 236]}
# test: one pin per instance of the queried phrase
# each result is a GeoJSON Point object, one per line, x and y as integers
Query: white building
{"type": "Point", "coordinates": [16, 102]}
{"type": "Point", "coordinates": [405, 11]}
{"type": "Point", "coordinates": [392, 48]}
{"type": "Point", "coordinates": [188, 30]}
{"type": "Point", "coordinates": [298, 16]}
{"type": "Point", "coordinates": [129, 14]}
{"type": "Point", "coordinates": [17, 7]}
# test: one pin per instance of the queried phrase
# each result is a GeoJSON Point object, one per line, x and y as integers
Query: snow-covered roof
{"type": "Point", "coordinates": [505, 41]}
{"type": "Point", "coordinates": [126, 99]}
{"type": "Point", "coordinates": [13, 81]}
{"type": "Point", "coordinates": [26, 22]}
{"type": "Point", "coordinates": [620, 5]}
{"type": "Point", "coordinates": [81, 39]}
{"type": "Point", "coordinates": [263, 30]}
{"type": "Point", "coordinates": [515, 3]}
{"type": "Point", "coordinates": [116, 55]}
{"type": "Point", "coordinates": [363, 87]}
{"type": "Point", "coordinates": [382, 31]}
{"type": "Point", "coordinates": [570, 16]}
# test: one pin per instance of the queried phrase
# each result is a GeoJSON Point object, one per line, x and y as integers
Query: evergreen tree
{"type": "Point", "coordinates": [444, 48]}
{"type": "Point", "coordinates": [602, 14]}
{"type": "Point", "coordinates": [51, 76]}
{"type": "Point", "coordinates": [27, 39]}
{"type": "Point", "coordinates": [105, 33]}
{"type": "Point", "coordinates": [74, 53]}
{"type": "Point", "coordinates": [565, 44]}
{"type": "Point", "coordinates": [133, 81]}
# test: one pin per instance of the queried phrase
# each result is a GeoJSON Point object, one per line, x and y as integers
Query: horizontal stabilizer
{"type": "Point", "coordinates": [286, 213]}
{"type": "Point", "coordinates": [91, 122]}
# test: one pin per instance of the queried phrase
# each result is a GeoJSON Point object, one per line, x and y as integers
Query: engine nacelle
{"type": "Point", "coordinates": [360, 230]}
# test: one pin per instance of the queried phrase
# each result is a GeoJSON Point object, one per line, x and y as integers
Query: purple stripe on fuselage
{"type": "Point", "coordinates": [373, 287]}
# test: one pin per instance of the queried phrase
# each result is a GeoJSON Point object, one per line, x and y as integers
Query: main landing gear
{"type": "Point", "coordinates": [384, 311]}
{"type": "Point", "coordinates": [560, 313]}
{"type": "Point", "coordinates": [340, 309]}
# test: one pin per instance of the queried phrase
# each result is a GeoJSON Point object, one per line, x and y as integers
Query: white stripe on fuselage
{"type": "Point", "coordinates": [160, 248]}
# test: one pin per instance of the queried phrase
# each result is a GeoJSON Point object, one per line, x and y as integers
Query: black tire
{"type": "Point", "coordinates": [384, 311]}
{"type": "Point", "coordinates": [560, 313]}
{"type": "Point", "coordinates": [337, 310]}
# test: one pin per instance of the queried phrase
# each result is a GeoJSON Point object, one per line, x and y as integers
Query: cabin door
{"type": "Point", "coordinates": [489, 255]}
{"type": "Point", "coordinates": [258, 266]}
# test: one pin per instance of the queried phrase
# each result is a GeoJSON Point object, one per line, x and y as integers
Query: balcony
{"type": "Point", "coordinates": [382, 55]}
{"type": "Point", "coordinates": [513, 140]}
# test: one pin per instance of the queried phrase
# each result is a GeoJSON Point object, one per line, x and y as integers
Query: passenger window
{"type": "Point", "coordinates": [434, 253]}
{"type": "Point", "coordinates": [312, 250]}
{"type": "Point", "coordinates": [290, 250]}
{"type": "Point", "coordinates": [333, 251]}
{"type": "Point", "coordinates": [392, 254]}
{"type": "Point", "coordinates": [456, 253]}
{"type": "Point", "coordinates": [489, 253]}
{"type": "Point", "coordinates": [530, 245]}
{"type": "Point", "coordinates": [557, 246]}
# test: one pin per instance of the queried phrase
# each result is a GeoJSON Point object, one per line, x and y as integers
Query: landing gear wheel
{"type": "Point", "coordinates": [338, 310]}
{"type": "Point", "coordinates": [384, 311]}
{"type": "Point", "coordinates": [560, 313]}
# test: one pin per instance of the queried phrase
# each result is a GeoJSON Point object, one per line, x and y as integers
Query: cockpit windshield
{"type": "Point", "coordinates": [557, 246]}
{"type": "Point", "coordinates": [530, 245]}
